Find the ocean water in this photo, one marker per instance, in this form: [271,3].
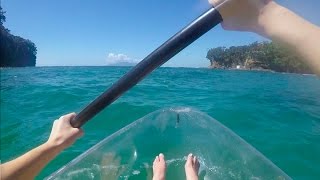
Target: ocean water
[278,114]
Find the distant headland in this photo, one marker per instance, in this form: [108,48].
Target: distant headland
[15,51]
[266,56]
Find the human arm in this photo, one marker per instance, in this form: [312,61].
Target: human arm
[30,164]
[269,19]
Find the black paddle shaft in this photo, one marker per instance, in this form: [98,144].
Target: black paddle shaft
[158,57]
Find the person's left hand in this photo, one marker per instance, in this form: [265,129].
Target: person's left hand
[63,134]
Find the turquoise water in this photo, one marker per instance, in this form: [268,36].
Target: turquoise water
[279,114]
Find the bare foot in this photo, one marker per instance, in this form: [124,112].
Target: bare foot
[159,168]
[192,167]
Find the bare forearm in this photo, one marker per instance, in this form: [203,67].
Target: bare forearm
[291,31]
[30,164]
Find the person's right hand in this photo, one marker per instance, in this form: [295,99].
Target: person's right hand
[244,15]
[273,21]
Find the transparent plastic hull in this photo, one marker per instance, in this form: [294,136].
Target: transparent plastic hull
[175,132]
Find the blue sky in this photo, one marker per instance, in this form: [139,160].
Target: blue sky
[100,32]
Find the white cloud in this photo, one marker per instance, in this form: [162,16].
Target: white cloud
[114,58]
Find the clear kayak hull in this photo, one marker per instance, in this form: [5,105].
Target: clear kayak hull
[175,132]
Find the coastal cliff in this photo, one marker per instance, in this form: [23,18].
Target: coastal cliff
[15,51]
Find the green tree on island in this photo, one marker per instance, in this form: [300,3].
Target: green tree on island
[258,55]
[15,51]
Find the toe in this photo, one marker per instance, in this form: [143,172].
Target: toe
[161,157]
[194,159]
[189,160]
[156,160]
